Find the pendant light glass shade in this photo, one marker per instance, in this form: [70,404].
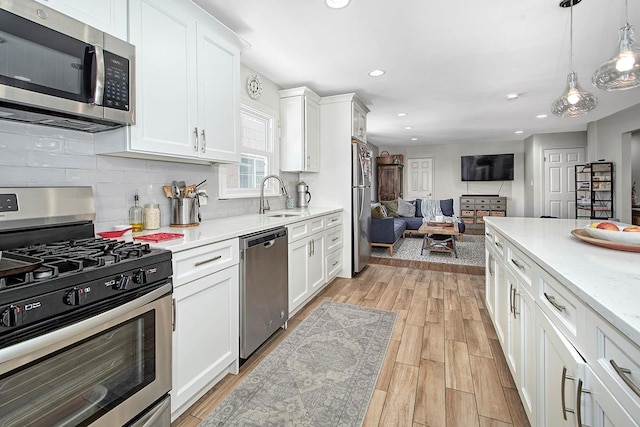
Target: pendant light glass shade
[623,70]
[574,101]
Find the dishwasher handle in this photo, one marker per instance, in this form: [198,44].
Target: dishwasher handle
[266,238]
[269,243]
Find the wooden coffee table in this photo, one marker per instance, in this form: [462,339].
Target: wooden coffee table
[439,245]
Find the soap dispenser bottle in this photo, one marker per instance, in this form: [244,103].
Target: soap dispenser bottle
[136,214]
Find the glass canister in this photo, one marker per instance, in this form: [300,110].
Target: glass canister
[151,216]
[289,202]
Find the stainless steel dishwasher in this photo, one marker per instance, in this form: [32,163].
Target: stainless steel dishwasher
[264,287]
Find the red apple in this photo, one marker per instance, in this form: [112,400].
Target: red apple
[632,228]
[608,226]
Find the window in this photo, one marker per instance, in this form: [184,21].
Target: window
[257,158]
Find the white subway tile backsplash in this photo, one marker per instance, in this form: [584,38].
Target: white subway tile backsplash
[45,159]
[51,132]
[13,176]
[92,176]
[84,148]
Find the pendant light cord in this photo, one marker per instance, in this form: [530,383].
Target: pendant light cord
[571,39]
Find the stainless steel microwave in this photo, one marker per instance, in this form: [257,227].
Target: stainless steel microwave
[57,71]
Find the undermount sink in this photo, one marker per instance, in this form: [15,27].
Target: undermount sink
[283,215]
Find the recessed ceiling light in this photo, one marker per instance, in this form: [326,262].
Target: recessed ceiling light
[541,116]
[519,131]
[376,73]
[402,114]
[337,4]
[408,127]
[414,139]
[512,96]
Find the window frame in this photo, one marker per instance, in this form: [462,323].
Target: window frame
[273,166]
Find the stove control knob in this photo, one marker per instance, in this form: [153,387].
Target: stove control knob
[139,278]
[11,317]
[122,282]
[76,296]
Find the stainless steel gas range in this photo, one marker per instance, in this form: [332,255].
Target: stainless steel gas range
[85,322]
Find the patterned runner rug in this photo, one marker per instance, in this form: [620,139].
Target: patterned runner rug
[470,251]
[322,374]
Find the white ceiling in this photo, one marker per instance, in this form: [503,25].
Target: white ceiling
[449,64]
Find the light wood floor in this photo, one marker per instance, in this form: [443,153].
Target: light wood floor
[444,365]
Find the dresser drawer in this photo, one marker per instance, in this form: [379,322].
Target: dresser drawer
[566,311]
[498,207]
[480,212]
[466,201]
[483,207]
[497,201]
[204,260]
[467,213]
[498,213]
[616,360]
[482,201]
[333,238]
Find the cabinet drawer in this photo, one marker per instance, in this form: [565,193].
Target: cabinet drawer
[499,244]
[467,213]
[482,201]
[498,207]
[333,265]
[298,230]
[468,220]
[333,239]
[482,213]
[479,220]
[566,311]
[521,266]
[198,262]
[611,348]
[498,213]
[483,207]
[333,219]
[497,201]
[467,201]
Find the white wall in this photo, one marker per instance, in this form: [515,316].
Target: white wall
[610,139]
[446,170]
[40,156]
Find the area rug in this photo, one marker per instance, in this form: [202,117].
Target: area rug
[322,374]
[470,251]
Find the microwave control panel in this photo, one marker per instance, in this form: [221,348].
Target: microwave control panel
[116,84]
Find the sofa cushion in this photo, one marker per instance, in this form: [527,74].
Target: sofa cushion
[406,209]
[387,230]
[392,207]
[413,223]
[418,203]
[446,206]
[378,212]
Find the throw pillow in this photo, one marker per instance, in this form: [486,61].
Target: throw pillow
[446,205]
[392,207]
[406,209]
[378,212]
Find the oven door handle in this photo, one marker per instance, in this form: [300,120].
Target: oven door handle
[24,352]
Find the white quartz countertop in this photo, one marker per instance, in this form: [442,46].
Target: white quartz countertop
[215,230]
[605,279]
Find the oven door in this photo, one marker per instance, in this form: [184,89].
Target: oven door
[102,371]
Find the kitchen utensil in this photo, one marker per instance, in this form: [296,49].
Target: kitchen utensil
[112,234]
[16,263]
[190,191]
[176,190]
[167,191]
[303,192]
[201,183]
[181,186]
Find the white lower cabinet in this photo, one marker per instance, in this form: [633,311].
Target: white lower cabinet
[206,321]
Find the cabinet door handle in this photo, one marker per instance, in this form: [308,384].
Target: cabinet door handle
[215,258]
[624,374]
[517,264]
[553,302]
[204,141]
[564,406]
[335,239]
[173,314]
[579,403]
[335,263]
[195,145]
[309,248]
[498,244]
[313,247]
[511,298]
[488,234]
[490,265]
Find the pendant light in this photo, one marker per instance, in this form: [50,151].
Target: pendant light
[623,70]
[574,101]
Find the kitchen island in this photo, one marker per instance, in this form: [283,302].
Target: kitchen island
[566,314]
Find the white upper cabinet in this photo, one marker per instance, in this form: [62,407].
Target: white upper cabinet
[300,120]
[187,85]
[109,16]
[359,120]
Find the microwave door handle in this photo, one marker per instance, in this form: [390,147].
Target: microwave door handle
[99,83]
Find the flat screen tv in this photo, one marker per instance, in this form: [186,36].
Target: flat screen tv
[488,167]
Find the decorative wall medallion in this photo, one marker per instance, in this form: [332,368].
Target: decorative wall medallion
[254,86]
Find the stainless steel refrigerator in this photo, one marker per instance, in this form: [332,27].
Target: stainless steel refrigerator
[361,205]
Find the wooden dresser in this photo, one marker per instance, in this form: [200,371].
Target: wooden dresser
[474,207]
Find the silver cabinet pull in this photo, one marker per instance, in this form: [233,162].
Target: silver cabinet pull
[564,406]
[511,298]
[173,314]
[195,145]
[335,263]
[490,265]
[498,244]
[579,403]
[553,302]
[488,234]
[199,263]
[204,141]
[517,264]
[334,239]
[624,374]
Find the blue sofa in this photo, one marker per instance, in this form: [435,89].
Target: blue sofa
[385,232]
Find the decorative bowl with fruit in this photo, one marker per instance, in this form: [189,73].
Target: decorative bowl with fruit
[614,232]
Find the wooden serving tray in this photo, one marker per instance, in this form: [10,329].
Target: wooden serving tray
[582,235]
[439,224]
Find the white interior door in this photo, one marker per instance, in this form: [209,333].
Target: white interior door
[419,178]
[560,185]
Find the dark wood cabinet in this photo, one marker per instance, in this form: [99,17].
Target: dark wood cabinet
[389,182]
